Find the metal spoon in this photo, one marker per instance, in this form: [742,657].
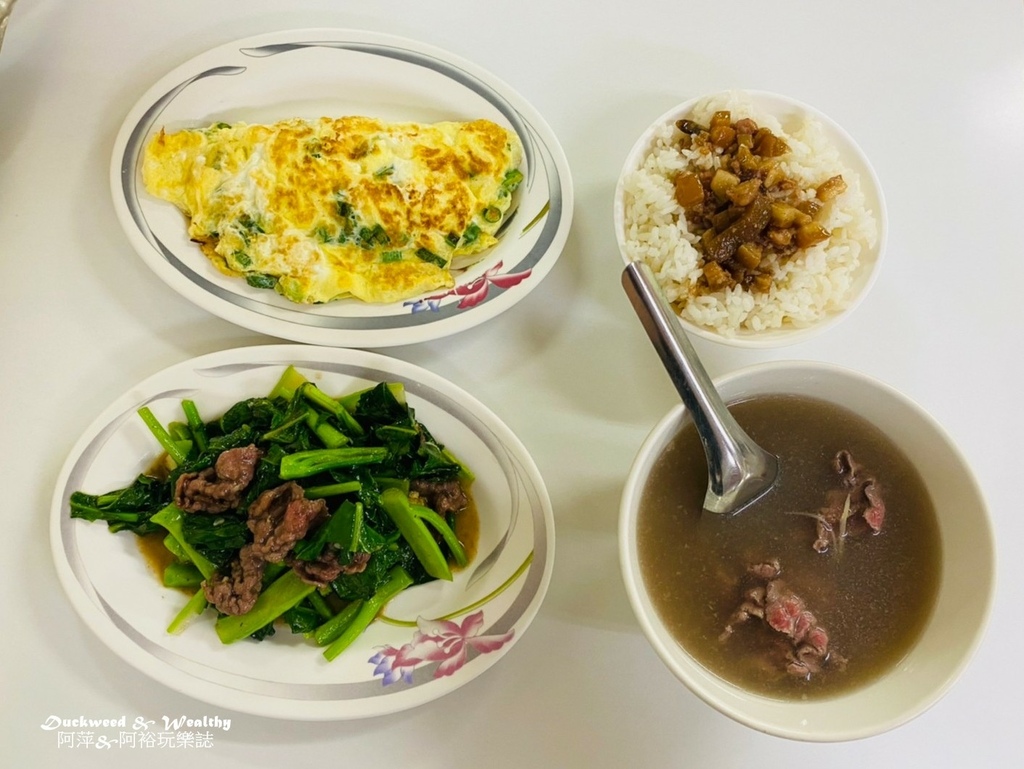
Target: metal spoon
[739,471]
[6,6]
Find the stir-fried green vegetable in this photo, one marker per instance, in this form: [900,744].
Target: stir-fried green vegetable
[362,454]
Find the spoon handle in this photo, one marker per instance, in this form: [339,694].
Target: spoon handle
[729,450]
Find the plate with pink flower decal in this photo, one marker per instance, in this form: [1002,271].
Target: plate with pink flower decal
[312,73]
[429,640]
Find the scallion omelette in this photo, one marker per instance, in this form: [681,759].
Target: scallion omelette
[339,207]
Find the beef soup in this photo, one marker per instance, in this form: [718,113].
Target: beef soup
[820,587]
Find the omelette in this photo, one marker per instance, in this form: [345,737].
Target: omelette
[331,208]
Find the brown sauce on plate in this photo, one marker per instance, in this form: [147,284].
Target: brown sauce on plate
[467,528]
[157,556]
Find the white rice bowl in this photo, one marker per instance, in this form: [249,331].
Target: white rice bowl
[812,289]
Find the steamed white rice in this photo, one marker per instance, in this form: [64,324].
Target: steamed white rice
[809,286]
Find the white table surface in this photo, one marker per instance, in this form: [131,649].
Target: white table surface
[933,93]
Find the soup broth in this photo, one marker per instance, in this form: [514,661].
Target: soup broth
[871,591]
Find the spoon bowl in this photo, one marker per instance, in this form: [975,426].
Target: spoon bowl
[966,592]
[739,471]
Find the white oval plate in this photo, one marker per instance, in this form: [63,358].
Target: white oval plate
[121,599]
[331,72]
